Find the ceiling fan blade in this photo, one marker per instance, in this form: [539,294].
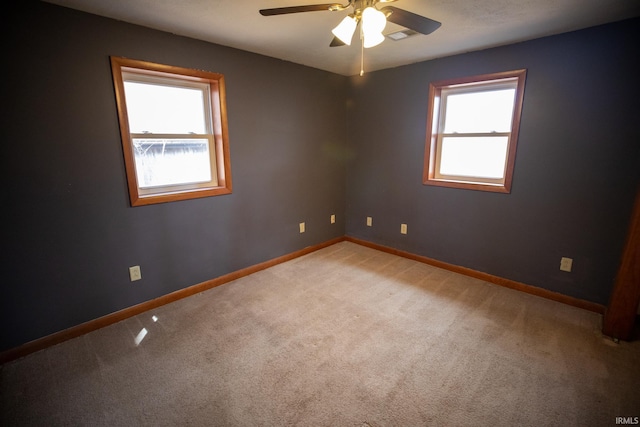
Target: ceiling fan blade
[297,9]
[411,20]
[336,42]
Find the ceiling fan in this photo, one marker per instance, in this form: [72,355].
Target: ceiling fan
[364,12]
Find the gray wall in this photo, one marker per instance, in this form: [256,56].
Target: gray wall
[576,171]
[69,234]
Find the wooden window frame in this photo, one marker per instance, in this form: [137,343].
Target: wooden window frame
[431,160]
[220,136]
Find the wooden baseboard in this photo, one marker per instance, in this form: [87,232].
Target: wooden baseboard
[101,322]
[507,283]
[109,319]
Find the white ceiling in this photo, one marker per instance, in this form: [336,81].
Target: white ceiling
[304,38]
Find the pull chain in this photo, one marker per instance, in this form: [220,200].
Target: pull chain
[361,56]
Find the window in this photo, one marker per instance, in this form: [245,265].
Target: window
[472,131]
[174,134]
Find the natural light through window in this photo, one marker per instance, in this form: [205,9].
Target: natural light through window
[173,127]
[155,109]
[472,133]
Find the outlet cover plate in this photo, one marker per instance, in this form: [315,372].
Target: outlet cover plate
[135,273]
[566,264]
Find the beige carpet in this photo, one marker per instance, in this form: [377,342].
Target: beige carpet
[345,336]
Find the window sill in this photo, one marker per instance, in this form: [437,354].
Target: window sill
[142,200]
[467,185]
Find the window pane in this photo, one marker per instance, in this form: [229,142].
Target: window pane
[482,157]
[163,162]
[487,111]
[164,109]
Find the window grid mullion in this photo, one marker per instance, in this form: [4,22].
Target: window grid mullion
[150,135]
[471,135]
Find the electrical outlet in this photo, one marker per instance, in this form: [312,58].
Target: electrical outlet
[566,264]
[302,227]
[403,228]
[333,219]
[135,273]
[369,221]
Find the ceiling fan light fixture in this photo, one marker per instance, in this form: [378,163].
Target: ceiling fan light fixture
[373,20]
[373,23]
[345,29]
[371,40]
